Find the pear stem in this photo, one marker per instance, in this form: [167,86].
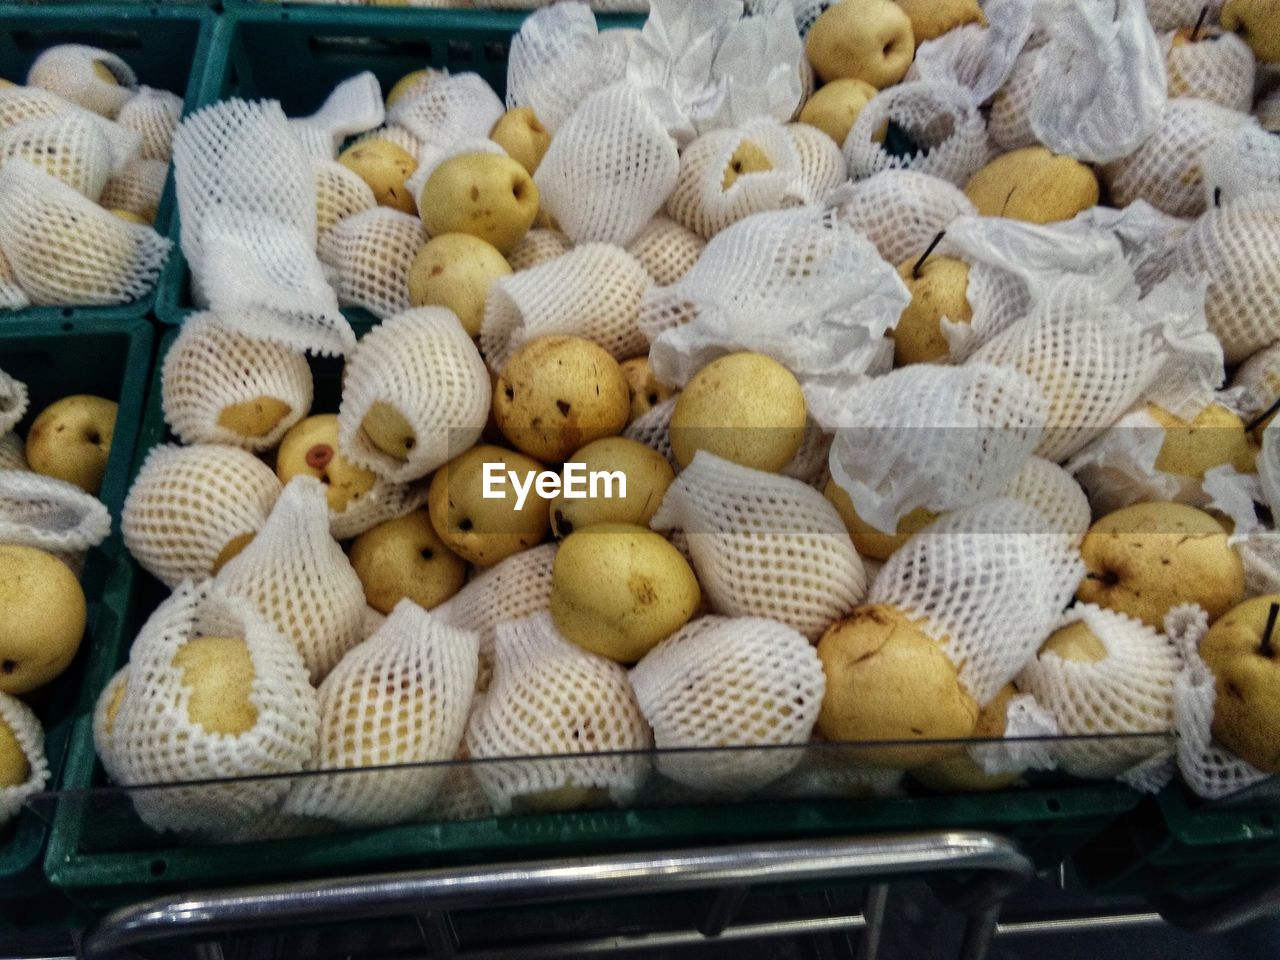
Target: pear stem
[1267,650]
[1274,408]
[1204,15]
[1217,197]
[915,271]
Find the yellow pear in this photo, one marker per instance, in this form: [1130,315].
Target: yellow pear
[253,418]
[403,558]
[389,430]
[835,107]
[869,40]
[14,766]
[888,680]
[486,530]
[71,440]
[488,196]
[310,448]
[747,158]
[416,82]
[867,540]
[384,166]
[43,618]
[233,548]
[930,19]
[128,216]
[1075,642]
[102,72]
[6,83]
[117,698]
[1243,651]
[1148,558]
[525,139]
[647,475]
[1258,23]
[571,796]
[1033,185]
[219,673]
[744,407]
[960,774]
[455,270]
[939,288]
[646,390]
[1214,437]
[618,590]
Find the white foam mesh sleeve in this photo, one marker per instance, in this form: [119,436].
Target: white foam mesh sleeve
[1171,14]
[988,582]
[155,740]
[154,115]
[371,252]
[69,146]
[730,682]
[13,402]
[187,503]
[538,246]
[297,576]
[822,165]
[247,198]
[385,500]
[340,193]
[653,429]
[64,249]
[928,436]
[49,514]
[593,292]
[1128,692]
[210,367]
[400,698]
[137,188]
[609,168]
[12,296]
[901,211]
[1239,163]
[1009,123]
[393,133]
[666,249]
[12,452]
[353,107]
[1219,69]
[764,545]
[68,70]
[1055,493]
[422,363]
[552,700]
[461,106]
[801,286]
[29,733]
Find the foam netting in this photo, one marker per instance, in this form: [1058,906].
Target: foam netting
[1009,123]
[1236,246]
[1259,553]
[65,250]
[721,682]
[460,797]
[810,463]
[593,292]
[401,697]
[1055,493]
[609,169]
[12,296]
[666,249]
[513,589]
[1172,14]
[104,739]
[764,545]
[901,211]
[570,714]
[385,500]
[371,253]
[69,146]
[340,193]
[297,577]
[988,583]
[12,453]
[537,247]
[13,402]
[1219,69]
[1208,768]
[460,106]
[154,114]
[423,364]
[68,70]
[1128,692]
[393,133]
[155,741]
[20,719]
[801,286]
[247,197]
[1166,170]
[1240,163]
[210,367]
[929,436]
[653,429]
[943,122]
[353,107]
[558,59]
[23,103]
[1147,237]
[137,188]
[187,503]
[49,514]
[1267,112]
[702,203]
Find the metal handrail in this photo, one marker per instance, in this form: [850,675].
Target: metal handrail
[1002,866]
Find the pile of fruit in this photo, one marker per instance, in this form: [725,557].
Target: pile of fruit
[84,155]
[926,448]
[48,517]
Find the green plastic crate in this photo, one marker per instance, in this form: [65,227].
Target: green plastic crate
[168,46]
[109,358]
[100,853]
[297,54]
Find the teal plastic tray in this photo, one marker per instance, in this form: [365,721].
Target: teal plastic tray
[168,46]
[109,358]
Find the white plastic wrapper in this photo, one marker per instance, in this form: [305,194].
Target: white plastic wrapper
[13,402]
[1171,14]
[1027,728]
[900,211]
[49,514]
[354,106]
[978,58]
[1147,236]
[1260,554]
[1243,161]
[928,436]
[1269,466]
[1102,82]
[799,285]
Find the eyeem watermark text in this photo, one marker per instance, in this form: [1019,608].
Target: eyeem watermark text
[574,482]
